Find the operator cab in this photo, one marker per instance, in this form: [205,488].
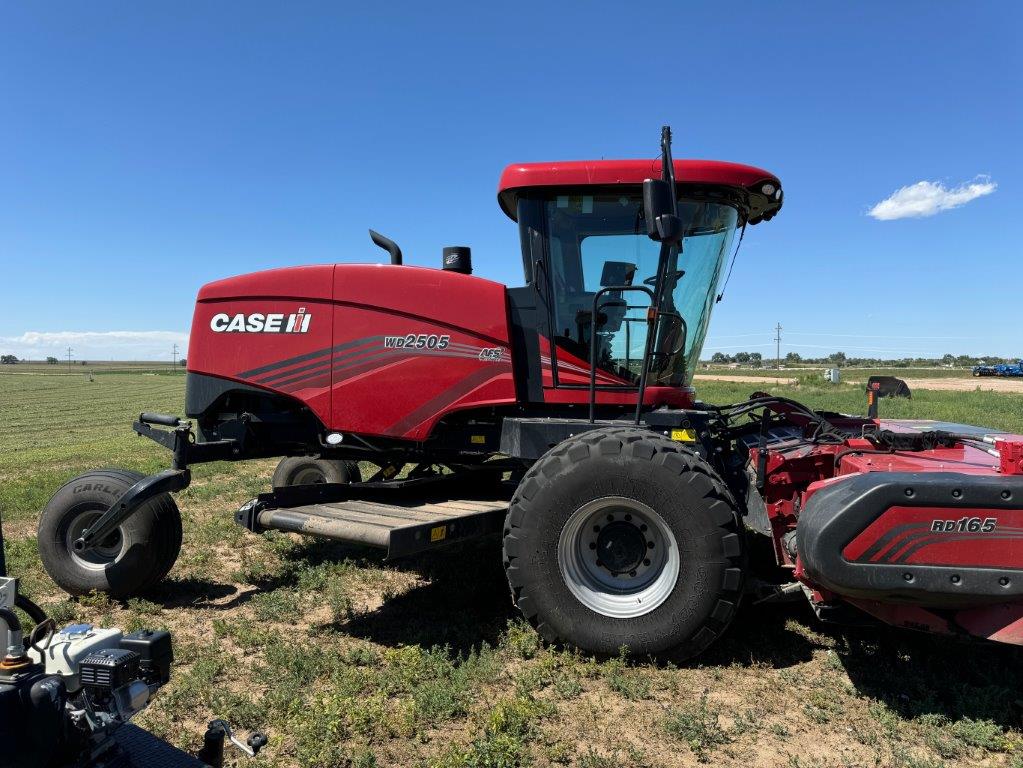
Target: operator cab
[584,234]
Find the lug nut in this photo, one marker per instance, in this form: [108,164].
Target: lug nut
[646,562]
[649,545]
[643,528]
[632,573]
[628,518]
[596,529]
[592,545]
[610,518]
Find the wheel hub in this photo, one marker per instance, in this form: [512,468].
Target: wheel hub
[308,476]
[618,557]
[100,554]
[621,547]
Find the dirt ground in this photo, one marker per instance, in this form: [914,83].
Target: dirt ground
[347,660]
[740,379]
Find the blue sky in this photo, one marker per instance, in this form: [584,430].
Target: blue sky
[148,148]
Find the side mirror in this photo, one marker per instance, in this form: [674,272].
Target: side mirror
[662,224]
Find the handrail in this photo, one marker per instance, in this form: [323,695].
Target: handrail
[593,338]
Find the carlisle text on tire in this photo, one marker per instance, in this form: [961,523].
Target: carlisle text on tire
[127,562]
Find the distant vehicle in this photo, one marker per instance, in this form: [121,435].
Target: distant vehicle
[1002,369]
[1013,369]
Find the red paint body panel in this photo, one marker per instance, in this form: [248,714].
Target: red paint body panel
[313,282]
[604,172]
[912,541]
[284,291]
[464,302]
[574,381]
[403,393]
[341,366]
[966,459]
[1000,623]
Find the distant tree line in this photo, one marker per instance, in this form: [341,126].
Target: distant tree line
[841,360]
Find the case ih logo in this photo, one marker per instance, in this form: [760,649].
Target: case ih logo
[257,322]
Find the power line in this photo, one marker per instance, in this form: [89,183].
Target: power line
[69,359]
[777,341]
[885,336]
[733,335]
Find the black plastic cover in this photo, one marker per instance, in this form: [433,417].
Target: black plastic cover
[32,727]
[109,669]
[155,653]
[458,258]
[837,514]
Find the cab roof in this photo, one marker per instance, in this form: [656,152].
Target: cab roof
[762,202]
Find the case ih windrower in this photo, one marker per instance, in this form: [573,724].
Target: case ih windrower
[633,509]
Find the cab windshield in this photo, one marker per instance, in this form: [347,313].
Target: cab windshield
[600,241]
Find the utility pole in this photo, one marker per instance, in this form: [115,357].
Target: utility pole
[777,341]
[174,358]
[69,359]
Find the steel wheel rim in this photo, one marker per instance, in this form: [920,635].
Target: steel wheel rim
[308,476]
[102,554]
[600,530]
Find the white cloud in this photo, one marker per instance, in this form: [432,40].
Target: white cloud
[926,198]
[99,345]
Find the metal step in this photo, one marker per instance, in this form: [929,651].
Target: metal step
[402,527]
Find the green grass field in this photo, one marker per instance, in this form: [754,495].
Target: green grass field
[349,661]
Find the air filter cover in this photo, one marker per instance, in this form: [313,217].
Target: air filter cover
[458,258]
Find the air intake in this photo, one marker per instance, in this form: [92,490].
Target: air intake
[458,258]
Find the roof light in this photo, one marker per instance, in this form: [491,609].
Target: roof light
[768,189]
[777,195]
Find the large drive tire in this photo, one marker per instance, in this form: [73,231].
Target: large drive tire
[129,561]
[622,538]
[305,470]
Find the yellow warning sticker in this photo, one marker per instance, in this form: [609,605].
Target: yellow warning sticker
[478,439]
[684,435]
[438,533]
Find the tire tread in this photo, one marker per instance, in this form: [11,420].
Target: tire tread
[643,445]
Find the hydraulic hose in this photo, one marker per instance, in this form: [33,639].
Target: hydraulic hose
[37,614]
[10,619]
[13,624]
